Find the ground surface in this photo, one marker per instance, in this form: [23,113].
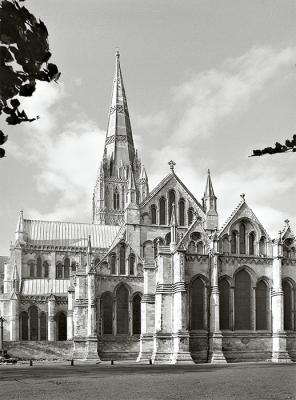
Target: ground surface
[143,382]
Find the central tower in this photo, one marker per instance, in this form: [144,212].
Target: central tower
[120,166]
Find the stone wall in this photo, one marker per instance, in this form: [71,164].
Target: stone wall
[42,350]
[119,347]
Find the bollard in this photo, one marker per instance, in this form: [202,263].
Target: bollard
[31,363]
[112,362]
[72,362]
[150,361]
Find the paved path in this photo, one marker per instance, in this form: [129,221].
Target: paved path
[145,382]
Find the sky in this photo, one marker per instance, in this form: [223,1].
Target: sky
[206,82]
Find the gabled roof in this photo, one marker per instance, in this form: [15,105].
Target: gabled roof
[242,210]
[183,241]
[162,183]
[287,232]
[68,234]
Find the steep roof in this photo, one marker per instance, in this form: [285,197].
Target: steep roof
[68,234]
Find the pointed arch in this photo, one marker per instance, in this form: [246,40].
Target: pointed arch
[31,267]
[59,270]
[168,238]
[45,269]
[162,211]
[156,243]
[122,311]
[172,200]
[39,267]
[131,262]
[197,304]
[122,251]
[66,268]
[24,325]
[33,315]
[190,216]
[113,263]
[225,244]
[153,214]
[288,304]
[182,212]
[43,326]
[191,247]
[242,300]
[262,305]
[200,248]
[242,238]
[61,319]
[252,236]
[224,290]
[233,242]
[136,314]
[107,313]
[262,246]
[116,200]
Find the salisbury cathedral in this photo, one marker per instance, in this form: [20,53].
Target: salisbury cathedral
[153,276]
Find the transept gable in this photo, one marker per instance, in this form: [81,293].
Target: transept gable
[196,239]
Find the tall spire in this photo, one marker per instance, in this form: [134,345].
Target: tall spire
[119,142]
[210,205]
[209,191]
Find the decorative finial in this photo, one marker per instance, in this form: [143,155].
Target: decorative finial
[117,52]
[287,222]
[243,197]
[209,172]
[172,165]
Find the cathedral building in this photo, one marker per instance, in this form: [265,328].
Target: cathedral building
[152,276]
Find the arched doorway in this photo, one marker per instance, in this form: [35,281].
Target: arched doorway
[122,310]
[62,326]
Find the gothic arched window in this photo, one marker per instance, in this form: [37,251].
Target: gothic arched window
[242,238]
[137,314]
[153,214]
[168,238]
[113,263]
[252,243]
[190,216]
[116,200]
[67,268]
[162,211]
[39,268]
[25,326]
[233,242]
[31,269]
[224,289]
[33,314]
[182,212]
[122,316]
[59,271]
[199,248]
[61,319]
[43,326]
[122,259]
[197,308]
[107,313]
[288,309]
[172,200]
[45,269]
[132,264]
[242,301]
[262,246]
[262,298]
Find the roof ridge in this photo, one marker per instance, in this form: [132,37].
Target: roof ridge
[231,215]
[66,222]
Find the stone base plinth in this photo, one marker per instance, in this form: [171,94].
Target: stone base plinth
[162,349]
[86,349]
[146,347]
[181,352]
[279,348]
[216,355]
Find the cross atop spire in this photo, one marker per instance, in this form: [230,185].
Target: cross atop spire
[172,165]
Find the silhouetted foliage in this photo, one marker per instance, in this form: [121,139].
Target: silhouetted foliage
[24,56]
[290,145]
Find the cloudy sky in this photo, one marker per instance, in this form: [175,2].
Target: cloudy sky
[206,81]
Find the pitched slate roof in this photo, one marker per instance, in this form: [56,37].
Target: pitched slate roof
[44,286]
[68,234]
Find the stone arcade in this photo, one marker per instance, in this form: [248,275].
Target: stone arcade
[152,277]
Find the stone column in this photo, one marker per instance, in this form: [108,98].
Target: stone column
[147,312]
[180,316]
[215,336]
[70,313]
[91,351]
[51,334]
[279,340]
[14,318]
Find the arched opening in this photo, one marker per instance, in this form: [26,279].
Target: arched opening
[113,263]
[288,309]
[233,242]
[66,268]
[153,214]
[132,260]
[172,200]
[191,248]
[59,271]
[33,314]
[252,243]
[242,238]
[224,290]
[182,212]
[162,211]
[107,313]
[25,326]
[190,216]
[116,200]
[45,269]
[242,301]
[197,309]
[122,317]
[43,326]
[62,326]
[122,259]
[168,238]
[137,314]
[156,243]
[262,246]
[39,267]
[262,300]
[31,269]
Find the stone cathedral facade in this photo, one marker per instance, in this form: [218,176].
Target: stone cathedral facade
[153,276]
